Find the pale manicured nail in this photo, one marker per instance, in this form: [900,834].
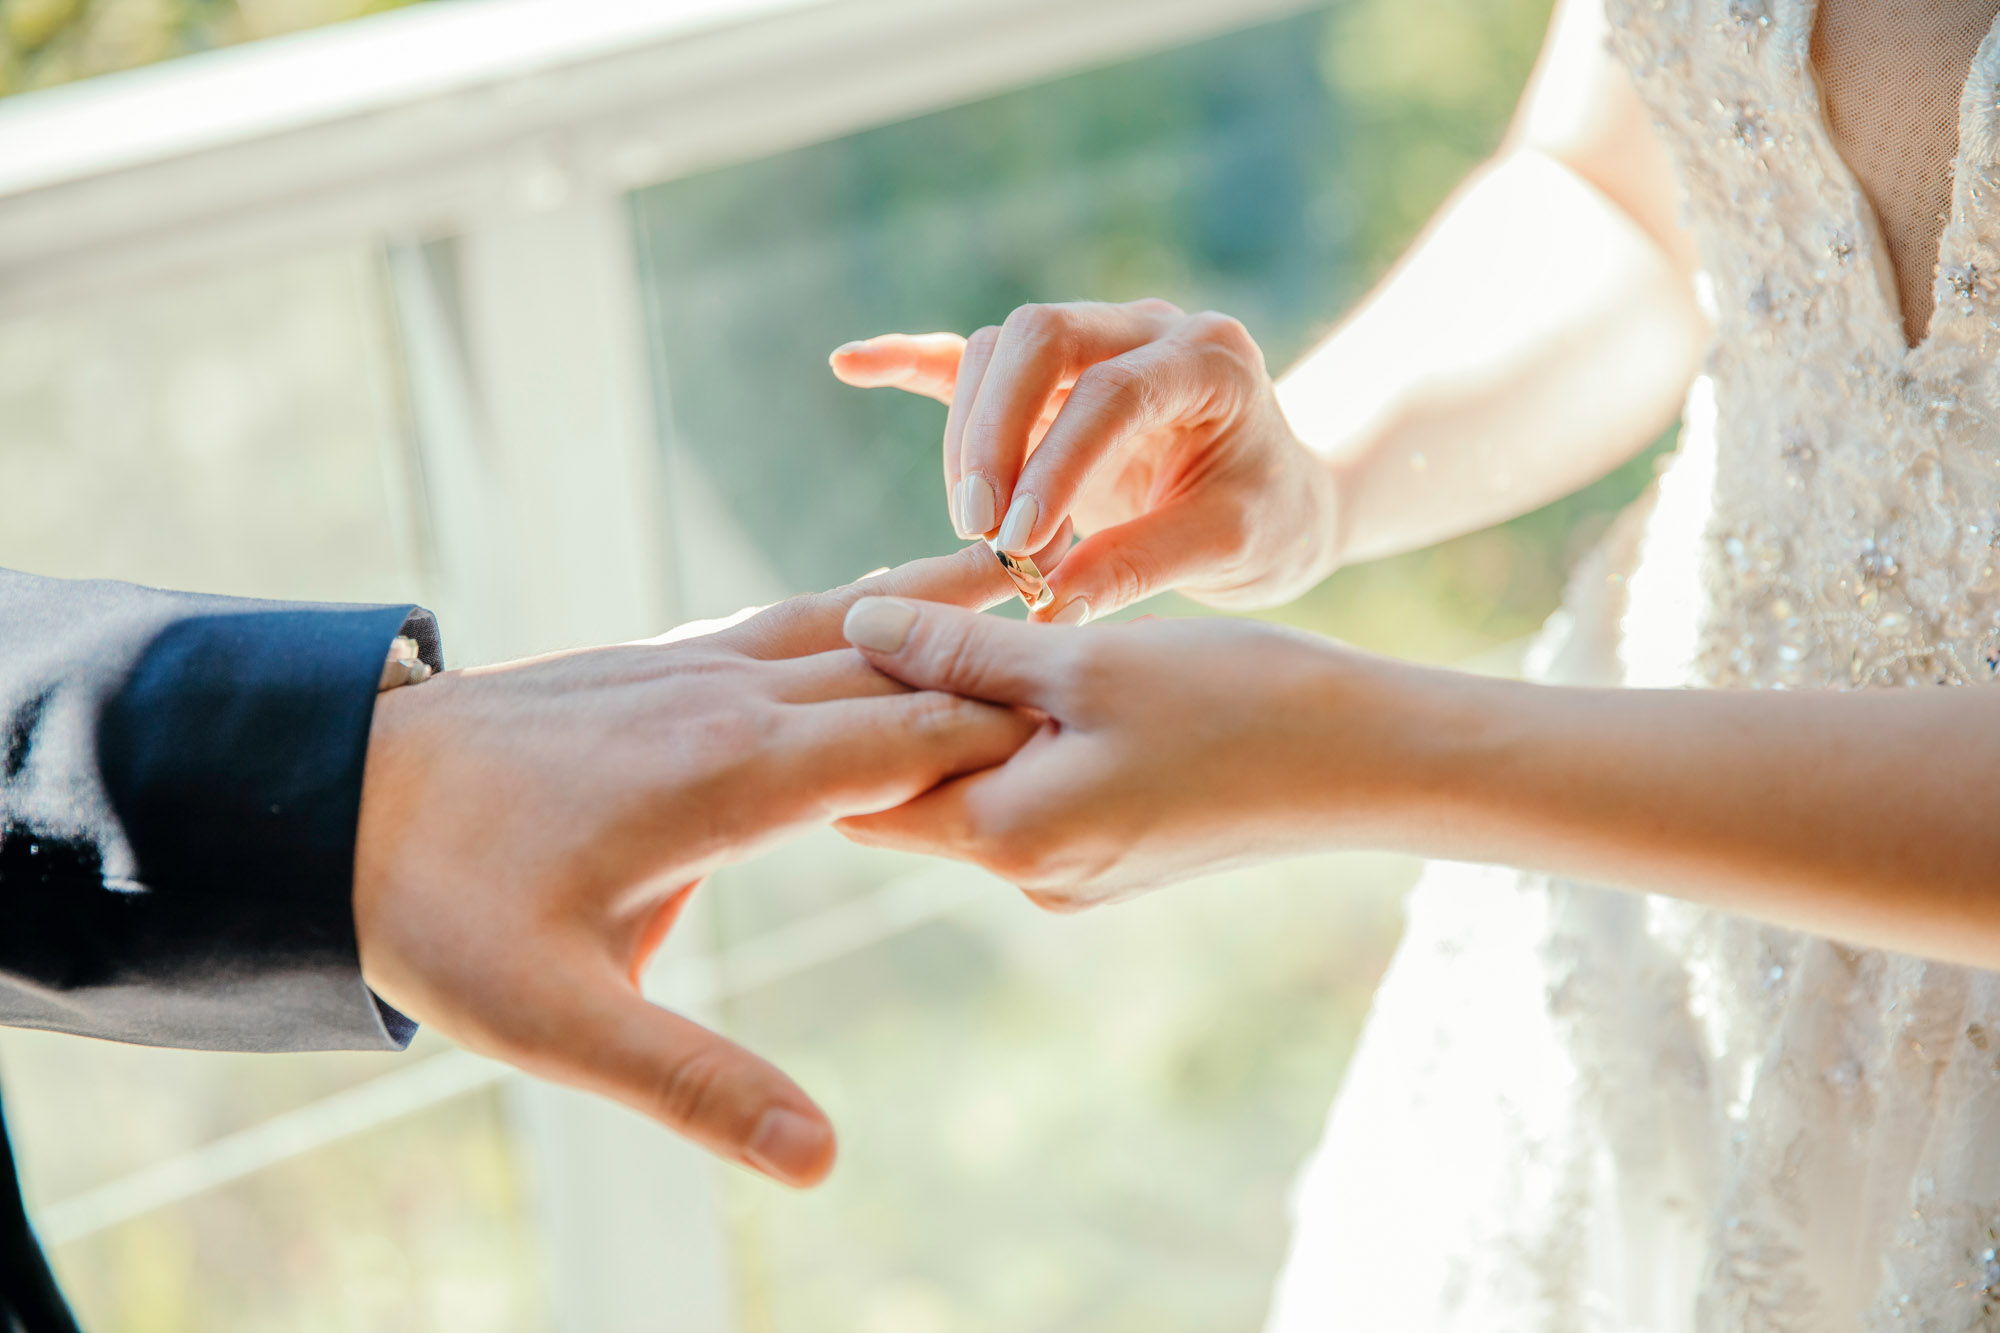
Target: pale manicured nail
[978,506]
[958,509]
[846,349]
[1075,612]
[879,624]
[1020,525]
[788,1145]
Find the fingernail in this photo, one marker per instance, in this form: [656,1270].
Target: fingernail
[1074,612]
[1020,525]
[788,1145]
[879,624]
[978,506]
[846,349]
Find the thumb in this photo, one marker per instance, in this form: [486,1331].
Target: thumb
[929,646]
[600,1034]
[1109,570]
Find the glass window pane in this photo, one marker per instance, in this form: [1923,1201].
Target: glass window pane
[243,433]
[1047,1123]
[231,434]
[1058,1123]
[1206,175]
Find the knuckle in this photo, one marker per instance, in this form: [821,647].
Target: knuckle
[820,607]
[1014,858]
[984,340]
[726,744]
[1044,872]
[876,583]
[1051,856]
[1004,839]
[1013,866]
[1112,386]
[958,662]
[1038,325]
[932,714]
[1224,338]
[1155,305]
[692,1091]
[981,432]
[1222,368]
[1214,326]
[1130,577]
[1091,677]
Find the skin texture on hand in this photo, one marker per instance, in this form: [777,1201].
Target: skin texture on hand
[1158,433]
[1540,332]
[529,830]
[1170,748]
[1177,747]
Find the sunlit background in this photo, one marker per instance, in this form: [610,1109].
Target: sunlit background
[1078,1124]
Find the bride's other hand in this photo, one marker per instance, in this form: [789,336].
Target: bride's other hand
[1159,432]
[1542,331]
[1171,748]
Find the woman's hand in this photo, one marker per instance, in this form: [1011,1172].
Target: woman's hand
[1174,747]
[1157,431]
[1170,747]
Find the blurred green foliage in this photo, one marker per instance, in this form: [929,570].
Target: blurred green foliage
[1081,1125]
[1054,1122]
[1047,1123]
[47,42]
[1424,88]
[1273,173]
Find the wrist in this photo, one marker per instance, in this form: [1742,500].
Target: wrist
[1344,413]
[1410,756]
[1469,753]
[1314,487]
[1296,529]
[389,790]
[1328,489]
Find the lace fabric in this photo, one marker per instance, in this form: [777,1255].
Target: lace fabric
[1891,75]
[1577,1110]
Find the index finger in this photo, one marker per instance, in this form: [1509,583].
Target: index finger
[970,577]
[811,624]
[919,363]
[1042,350]
[1113,401]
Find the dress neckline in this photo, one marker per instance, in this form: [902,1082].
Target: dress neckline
[1871,245]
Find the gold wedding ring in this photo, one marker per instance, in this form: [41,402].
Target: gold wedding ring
[1034,588]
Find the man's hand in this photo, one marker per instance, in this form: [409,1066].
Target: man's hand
[1159,432]
[528,832]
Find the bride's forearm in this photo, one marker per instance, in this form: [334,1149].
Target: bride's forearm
[1182,746]
[1533,340]
[1870,817]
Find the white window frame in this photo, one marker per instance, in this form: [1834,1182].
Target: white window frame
[505,134]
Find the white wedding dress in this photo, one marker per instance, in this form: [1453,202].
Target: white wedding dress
[1575,1109]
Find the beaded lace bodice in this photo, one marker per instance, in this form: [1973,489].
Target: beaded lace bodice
[1854,534]
[1577,1110]
[1890,73]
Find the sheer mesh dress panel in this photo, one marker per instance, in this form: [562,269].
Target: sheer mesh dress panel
[1891,76]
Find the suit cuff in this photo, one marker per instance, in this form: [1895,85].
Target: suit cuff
[233,755]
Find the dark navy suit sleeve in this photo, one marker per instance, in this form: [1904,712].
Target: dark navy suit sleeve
[180,780]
